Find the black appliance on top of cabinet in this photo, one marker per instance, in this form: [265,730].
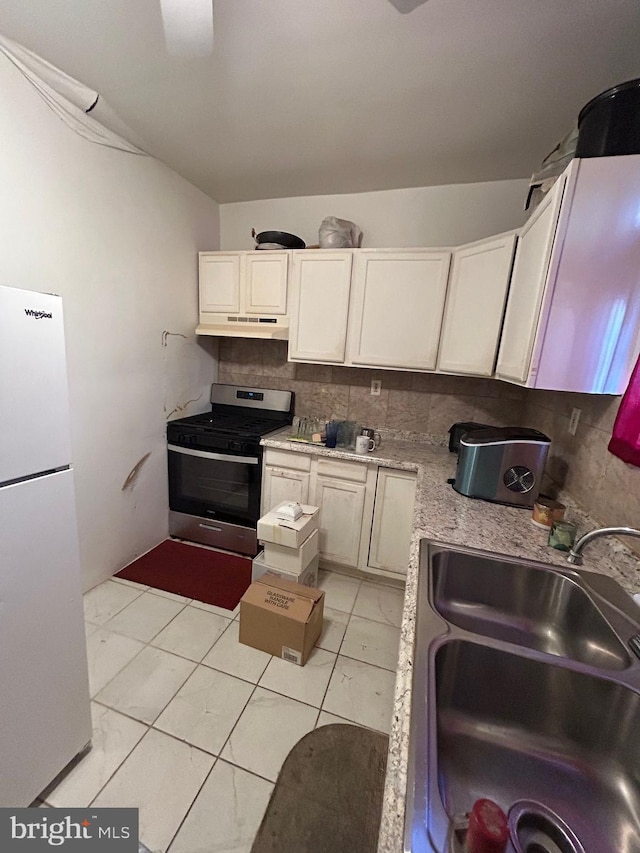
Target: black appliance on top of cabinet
[215,466]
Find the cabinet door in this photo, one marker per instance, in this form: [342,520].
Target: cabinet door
[392,520]
[475,306]
[589,333]
[341,513]
[219,282]
[527,287]
[280,485]
[266,282]
[320,287]
[397,308]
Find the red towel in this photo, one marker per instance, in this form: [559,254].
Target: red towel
[625,440]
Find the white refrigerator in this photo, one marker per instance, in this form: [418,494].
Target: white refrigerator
[44,691]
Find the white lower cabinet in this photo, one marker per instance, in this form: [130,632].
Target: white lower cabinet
[366,511]
[341,515]
[285,477]
[280,485]
[344,491]
[392,520]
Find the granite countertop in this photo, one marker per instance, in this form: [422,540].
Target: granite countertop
[446,516]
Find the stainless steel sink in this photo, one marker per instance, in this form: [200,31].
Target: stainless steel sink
[524,691]
[525,604]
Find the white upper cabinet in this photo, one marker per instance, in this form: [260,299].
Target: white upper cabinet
[249,284]
[573,311]
[572,291]
[266,282]
[219,283]
[474,310]
[527,287]
[396,308]
[320,288]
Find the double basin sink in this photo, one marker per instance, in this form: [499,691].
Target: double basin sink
[527,692]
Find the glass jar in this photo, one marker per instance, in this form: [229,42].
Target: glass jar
[562,535]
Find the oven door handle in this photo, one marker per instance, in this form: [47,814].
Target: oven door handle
[205,454]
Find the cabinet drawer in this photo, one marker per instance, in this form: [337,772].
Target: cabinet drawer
[282,459]
[342,470]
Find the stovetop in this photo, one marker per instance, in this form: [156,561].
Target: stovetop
[232,424]
[238,419]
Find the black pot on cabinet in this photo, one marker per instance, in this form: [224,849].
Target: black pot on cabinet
[610,123]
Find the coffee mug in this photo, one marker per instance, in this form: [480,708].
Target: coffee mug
[364,444]
[372,434]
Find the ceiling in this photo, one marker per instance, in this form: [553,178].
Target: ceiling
[306,97]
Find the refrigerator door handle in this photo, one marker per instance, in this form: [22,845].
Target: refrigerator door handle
[35,476]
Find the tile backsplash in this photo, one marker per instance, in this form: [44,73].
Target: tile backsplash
[415,402]
[606,487]
[429,403]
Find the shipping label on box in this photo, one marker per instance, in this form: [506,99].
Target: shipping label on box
[281,617]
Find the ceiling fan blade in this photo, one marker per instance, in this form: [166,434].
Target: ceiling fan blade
[406,6]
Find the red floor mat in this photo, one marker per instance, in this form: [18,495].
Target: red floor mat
[208,576]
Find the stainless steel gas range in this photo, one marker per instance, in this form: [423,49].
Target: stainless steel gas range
[215,466]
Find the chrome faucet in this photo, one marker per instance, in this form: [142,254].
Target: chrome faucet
[575,555]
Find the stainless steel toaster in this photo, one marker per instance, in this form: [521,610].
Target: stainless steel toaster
[502,464]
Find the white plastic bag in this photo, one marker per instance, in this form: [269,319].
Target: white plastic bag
[339,234]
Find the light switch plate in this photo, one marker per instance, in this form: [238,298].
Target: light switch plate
[376,387]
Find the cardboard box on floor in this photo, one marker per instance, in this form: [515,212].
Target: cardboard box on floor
[292,560]
[281,617]
[308,576]
[288,533]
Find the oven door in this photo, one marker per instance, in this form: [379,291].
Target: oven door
[214,485]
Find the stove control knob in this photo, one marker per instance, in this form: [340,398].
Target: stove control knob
[236,446]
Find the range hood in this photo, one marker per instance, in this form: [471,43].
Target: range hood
[238,326]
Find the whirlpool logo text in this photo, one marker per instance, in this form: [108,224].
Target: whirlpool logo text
[38,315]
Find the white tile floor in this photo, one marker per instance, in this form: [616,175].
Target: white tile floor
[192,728]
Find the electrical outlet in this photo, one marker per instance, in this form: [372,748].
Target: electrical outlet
[573,422]
[376,387]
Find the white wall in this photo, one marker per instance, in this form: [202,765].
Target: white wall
[425,216]
[116,235]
